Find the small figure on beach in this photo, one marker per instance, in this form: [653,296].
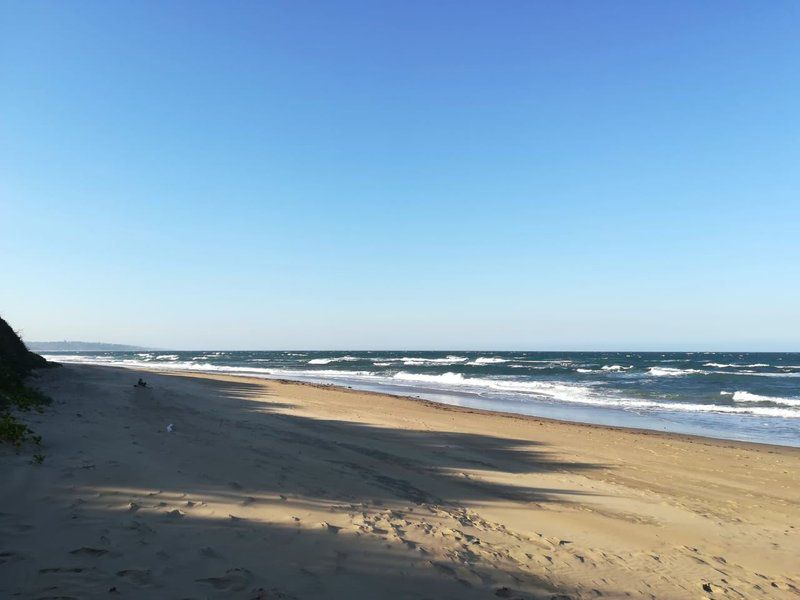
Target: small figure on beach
[141,383]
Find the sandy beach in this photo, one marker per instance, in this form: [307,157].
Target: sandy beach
[270,489]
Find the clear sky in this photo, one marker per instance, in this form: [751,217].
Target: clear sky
[427,175]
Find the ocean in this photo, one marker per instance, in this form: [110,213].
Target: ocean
[739,396]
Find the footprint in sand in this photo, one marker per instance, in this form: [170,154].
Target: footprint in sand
[235,580]
[142,528]
[8,556]
[20,527]
[137,576]
[88,551]
[271,594]
[62,570]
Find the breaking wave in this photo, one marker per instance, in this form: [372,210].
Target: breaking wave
[674,372]
[586,395]
[487,360]
[733,365]
[327,361]
[415,361]
[748,397]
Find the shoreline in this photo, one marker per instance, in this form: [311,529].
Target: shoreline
[282,489]
[744,398]
[465,409]
[687,437]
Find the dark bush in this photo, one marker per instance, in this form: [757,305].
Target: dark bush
[16,363]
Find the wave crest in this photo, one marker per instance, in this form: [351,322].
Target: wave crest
[487,360]
[327,361]
[673,372]
[748,397]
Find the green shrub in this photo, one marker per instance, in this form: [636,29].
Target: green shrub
[12,431]
[16,363]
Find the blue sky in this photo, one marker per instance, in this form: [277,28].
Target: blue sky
[428,175]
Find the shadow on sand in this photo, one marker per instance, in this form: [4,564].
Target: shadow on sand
[399,502]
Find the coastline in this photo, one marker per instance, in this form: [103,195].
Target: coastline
[746,398]
[689,437]
[364,490]
[686,437]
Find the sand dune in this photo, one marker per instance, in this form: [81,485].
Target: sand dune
[280,490]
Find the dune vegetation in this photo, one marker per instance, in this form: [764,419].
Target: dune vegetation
[16,396]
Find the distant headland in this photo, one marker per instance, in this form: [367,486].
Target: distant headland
[74,346]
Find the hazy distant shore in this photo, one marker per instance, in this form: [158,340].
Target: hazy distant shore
[77,346]
[268,489]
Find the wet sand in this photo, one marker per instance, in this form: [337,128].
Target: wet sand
[282,490]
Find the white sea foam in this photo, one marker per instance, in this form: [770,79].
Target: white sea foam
[167,357]
[673,372]
[208,356]
[758,374]
[585,395]
[535,365]
[748,397]
[487,360]
[209,368]
[734,365]
[451,378]
[421,361]
[610,368]
[560,391]
[327,361]
[326,373]
[559,361]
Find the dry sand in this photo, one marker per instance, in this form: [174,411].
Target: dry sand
[279,490]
